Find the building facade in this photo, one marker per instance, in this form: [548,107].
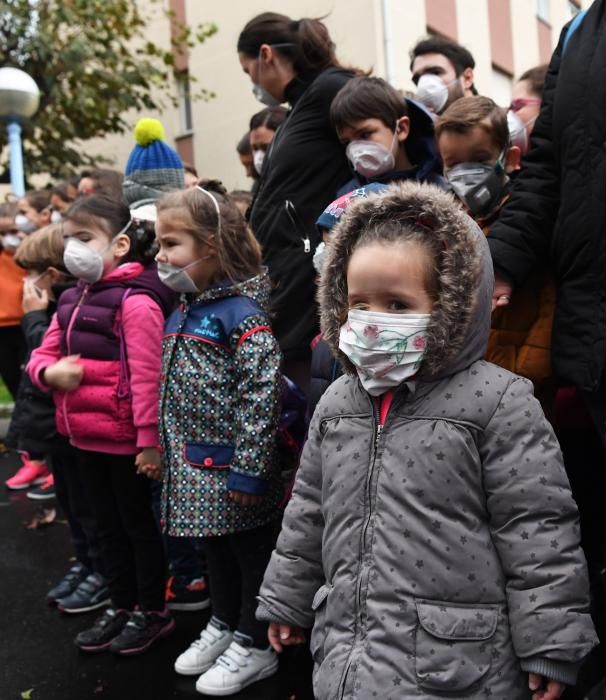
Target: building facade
[506,38]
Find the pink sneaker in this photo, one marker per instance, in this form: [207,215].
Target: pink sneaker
[30,474]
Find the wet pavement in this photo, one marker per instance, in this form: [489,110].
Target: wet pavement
[37,652]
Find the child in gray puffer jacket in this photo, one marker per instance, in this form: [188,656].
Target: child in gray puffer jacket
[431,541]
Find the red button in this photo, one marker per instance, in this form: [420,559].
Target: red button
[208,461]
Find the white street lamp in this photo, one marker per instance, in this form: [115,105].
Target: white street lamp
[19,99]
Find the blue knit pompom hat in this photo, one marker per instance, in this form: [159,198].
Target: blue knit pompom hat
[153,167]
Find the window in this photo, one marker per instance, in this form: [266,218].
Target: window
[543,10]
[500,87]
[185,114]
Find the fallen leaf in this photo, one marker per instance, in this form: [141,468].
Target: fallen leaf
[42,518]
[27,694]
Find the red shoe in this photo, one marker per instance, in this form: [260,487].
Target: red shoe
[31,473]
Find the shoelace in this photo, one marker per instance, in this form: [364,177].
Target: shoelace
[205,640]
[234,658]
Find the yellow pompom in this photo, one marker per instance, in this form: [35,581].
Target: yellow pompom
[148,130]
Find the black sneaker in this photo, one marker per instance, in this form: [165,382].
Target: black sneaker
[141,631]
[91,594]
[187,595]
[104,631]
[68,583]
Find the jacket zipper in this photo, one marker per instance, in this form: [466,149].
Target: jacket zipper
[68,332]
[378,430]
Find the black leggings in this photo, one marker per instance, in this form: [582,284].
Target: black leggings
[129,538]
[236,564]
[12,354]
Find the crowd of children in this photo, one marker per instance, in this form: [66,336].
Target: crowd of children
[431,544]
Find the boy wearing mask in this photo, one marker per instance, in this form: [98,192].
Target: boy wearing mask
[388,138]
[474,144]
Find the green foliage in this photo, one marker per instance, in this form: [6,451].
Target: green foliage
[92,62]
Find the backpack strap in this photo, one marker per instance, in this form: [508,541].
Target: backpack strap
[572,27]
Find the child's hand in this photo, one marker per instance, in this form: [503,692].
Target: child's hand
[33,299]
[502,292]
[549,690]
[281,636]
[245,499]
[66,374]
[149,463]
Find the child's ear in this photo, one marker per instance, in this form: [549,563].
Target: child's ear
[512,159]
[44,217]
[55,276]
[122,246]
[403,129]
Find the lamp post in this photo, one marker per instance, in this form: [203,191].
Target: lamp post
[19,99]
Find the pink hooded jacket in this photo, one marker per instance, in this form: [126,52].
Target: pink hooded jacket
[99,415]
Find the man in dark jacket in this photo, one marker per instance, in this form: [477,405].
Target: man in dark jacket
[557,209]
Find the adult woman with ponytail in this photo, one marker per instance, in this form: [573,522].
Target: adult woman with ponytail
[294,62]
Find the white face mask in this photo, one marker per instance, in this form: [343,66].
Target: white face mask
[82,261]
[432,91]
[371,159]
[85,263]
[319,257]
[24,224]
[386,349]
[258,158]
[56,217]
[264,97]
[518,131]
[177,278]
[11,242]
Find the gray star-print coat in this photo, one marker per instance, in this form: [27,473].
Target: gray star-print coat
[440,556]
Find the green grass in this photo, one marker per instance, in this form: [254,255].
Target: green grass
[5,397]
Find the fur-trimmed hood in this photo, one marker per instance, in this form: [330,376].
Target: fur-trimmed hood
[458,331]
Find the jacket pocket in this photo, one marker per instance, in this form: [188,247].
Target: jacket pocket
[453,645]
[318,633]
[209,456]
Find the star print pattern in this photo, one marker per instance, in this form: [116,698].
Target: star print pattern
[430,544]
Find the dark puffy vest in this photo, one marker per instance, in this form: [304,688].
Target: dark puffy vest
[94,332]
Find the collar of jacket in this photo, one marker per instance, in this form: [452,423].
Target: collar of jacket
[297,86]
[257,288]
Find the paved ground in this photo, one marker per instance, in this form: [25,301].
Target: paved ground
[39,661]
[36,641]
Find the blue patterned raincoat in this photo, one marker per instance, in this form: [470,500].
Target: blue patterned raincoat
[219,411]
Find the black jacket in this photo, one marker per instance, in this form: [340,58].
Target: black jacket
[306,165]
[557,209]
[33,428]
[325,369]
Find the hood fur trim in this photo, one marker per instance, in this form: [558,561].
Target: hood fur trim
[460,322]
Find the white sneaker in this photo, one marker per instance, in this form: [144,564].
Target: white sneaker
[204,651]
[237,668]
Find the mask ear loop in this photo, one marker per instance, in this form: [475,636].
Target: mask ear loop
[217,209]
